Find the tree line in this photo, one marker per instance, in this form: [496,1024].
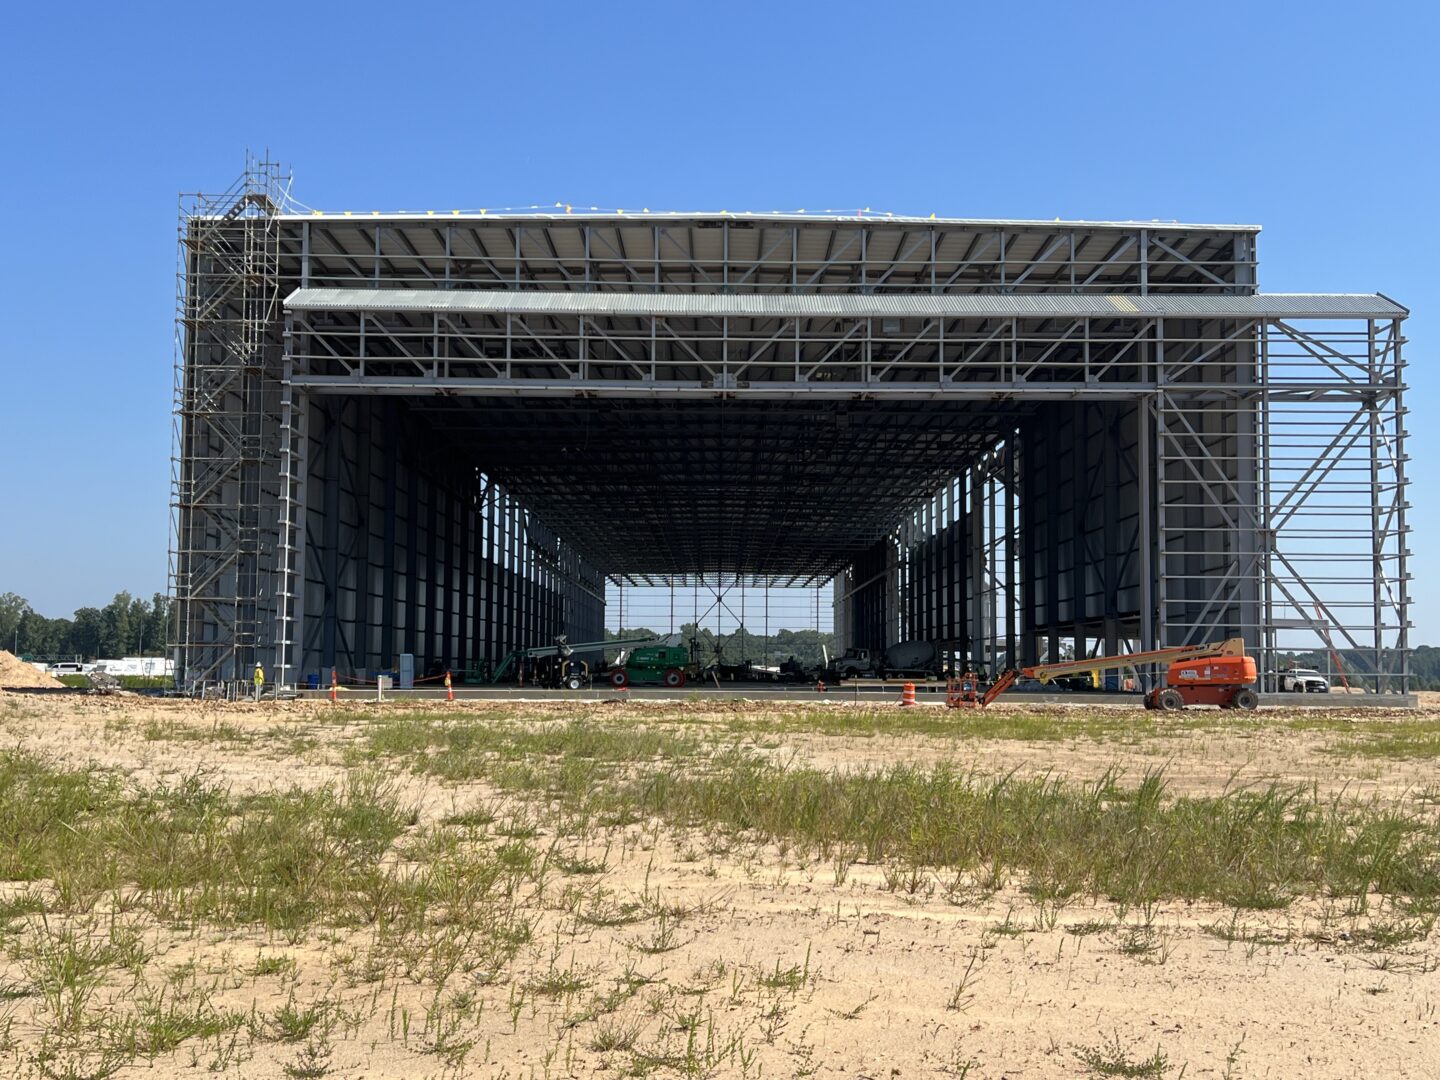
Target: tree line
[127,626]
[131,626]
[808,647]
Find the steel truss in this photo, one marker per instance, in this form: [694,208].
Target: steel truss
[1018,438]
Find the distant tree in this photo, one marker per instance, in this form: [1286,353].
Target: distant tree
[87,636]
[631,632]
[13,610]
[115,619]
[157,626]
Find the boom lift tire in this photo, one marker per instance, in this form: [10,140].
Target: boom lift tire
[619,679]
[1246,699]
[674,678]
[1170,700]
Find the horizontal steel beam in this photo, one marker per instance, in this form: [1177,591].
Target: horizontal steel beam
[846,305]
[423,386]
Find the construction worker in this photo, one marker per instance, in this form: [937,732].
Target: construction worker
[259,679]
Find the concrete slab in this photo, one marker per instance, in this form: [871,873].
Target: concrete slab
[926,693]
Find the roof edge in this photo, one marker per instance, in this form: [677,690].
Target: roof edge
[788,217]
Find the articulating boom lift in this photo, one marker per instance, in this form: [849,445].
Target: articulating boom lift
[1218,673]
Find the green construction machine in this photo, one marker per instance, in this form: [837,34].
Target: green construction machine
[651,665]
[554,665]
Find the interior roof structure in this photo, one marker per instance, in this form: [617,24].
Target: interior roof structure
[790,490]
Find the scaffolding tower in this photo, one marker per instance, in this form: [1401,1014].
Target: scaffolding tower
[227,429]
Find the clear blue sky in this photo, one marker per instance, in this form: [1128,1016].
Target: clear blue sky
[1318,121]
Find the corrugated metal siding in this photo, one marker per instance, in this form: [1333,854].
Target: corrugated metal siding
[846,305]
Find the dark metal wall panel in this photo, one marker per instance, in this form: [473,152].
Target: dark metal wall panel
[1080,512]
[406,554]
[872,615]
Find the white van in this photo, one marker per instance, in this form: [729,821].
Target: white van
[69,667]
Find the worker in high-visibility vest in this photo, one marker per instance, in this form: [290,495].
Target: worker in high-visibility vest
[259,679]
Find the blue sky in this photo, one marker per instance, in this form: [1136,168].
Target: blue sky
[1316,120]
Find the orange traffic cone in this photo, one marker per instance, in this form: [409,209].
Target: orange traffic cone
[449,688]
[907,695]
[334,686]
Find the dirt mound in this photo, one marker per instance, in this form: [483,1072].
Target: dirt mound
[16,672]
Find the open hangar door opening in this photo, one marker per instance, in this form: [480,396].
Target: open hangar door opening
[443,435]
[637,492]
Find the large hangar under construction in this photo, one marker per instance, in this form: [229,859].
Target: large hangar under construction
[447,433]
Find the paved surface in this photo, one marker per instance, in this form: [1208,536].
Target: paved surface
[925,693]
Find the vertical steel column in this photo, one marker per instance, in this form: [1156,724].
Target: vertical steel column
[1402,532]
[412,563]
[1052,556]
[1377,539]
[330,531]
[448,586]
[493,549]
[361,646]
[1247,545]
[464,563]
[1145,446]
[1012,553]
[1029,539]
[975,521]
[1079,512]
[388,609]
[432,572]
[1110,590]
[1163,636]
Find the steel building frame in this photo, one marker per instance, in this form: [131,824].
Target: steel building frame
[1018,438]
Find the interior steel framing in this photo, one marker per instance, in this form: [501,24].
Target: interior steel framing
[442,434]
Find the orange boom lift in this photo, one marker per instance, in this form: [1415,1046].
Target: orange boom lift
[1215,674]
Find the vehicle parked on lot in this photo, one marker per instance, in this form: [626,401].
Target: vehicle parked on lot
[70,667]
[1303,681]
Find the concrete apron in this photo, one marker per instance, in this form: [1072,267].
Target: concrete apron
[926,694]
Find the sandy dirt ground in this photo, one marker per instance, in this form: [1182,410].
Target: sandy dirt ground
[880,982]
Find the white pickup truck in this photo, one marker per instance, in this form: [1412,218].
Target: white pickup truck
[1303,681]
